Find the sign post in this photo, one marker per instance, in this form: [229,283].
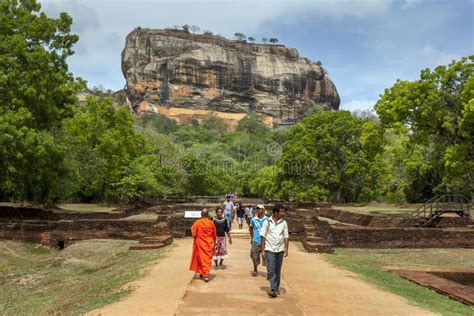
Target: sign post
[190,215]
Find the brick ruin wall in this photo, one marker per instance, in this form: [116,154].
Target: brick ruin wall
[40,226]
[49,228]
[366,220]
[369,237]
[51,232]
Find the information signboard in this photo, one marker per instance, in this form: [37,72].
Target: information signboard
[192,214]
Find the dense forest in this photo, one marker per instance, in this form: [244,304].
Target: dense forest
[53,148]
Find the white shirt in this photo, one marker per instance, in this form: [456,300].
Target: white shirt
[248,211]
[274,234]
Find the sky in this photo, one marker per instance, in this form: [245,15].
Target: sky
[365,45]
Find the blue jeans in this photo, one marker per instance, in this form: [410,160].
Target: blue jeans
[274,263]
[228,218]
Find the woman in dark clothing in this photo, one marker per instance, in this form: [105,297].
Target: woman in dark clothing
[240,214]
[220,249]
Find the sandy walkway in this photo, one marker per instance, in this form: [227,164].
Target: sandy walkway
[310,286]
[161,291]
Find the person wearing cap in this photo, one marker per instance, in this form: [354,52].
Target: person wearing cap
[255,226]
[275,242]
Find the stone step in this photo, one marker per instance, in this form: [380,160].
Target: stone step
[310,227]
[239,236]
[160,225]
[315,239]
[147,246]
[318,247]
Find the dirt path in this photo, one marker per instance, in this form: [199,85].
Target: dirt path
[310,286]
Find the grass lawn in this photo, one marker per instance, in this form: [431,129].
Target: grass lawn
[367,263]
[35,280]
[379,209]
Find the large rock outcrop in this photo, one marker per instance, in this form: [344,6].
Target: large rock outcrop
[188,76]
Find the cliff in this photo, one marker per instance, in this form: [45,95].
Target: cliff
[187,76]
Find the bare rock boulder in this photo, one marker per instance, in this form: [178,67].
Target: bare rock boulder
[188,76]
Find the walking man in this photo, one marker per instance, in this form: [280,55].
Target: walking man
[228,207]
[204,234]
[248,213]
[275,242]
[255,226]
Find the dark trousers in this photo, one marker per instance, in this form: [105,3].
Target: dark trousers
[274,263]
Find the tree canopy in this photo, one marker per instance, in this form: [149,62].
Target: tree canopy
[437,114]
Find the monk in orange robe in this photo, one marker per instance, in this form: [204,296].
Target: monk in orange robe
[204,233]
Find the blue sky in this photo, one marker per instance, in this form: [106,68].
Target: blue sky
[364,45]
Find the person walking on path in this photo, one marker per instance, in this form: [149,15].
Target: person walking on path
[255,226]
[248,213]
[220,249]
[204,234]
[275,242]
[228,210]
[240,215]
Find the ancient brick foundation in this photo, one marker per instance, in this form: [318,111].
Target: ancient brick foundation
[368,237]
[366,231]
[51,233]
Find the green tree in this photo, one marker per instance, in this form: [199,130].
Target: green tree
[157,123]
[436,112]
[273,40]
[148,177]
[185,28]
[251,39]
[331,154]
[33,70]
[240,36]
[264,40]
[264,183]
[204,177]
[102,141]
[31,162]
[36,93]
[212,128]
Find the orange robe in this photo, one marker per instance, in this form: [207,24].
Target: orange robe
[204,233]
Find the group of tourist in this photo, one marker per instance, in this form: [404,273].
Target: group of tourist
[268,233]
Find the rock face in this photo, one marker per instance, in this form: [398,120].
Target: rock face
[188,76]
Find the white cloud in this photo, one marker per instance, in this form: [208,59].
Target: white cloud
[410,3]
[359,105]
[351,8]
[437,56]
[84,17]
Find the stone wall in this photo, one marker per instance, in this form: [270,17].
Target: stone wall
[385,221]
[296,227]
[368,237]
[51,232]
[34,213]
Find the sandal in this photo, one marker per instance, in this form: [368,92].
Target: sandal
[206,279]
[254,273]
